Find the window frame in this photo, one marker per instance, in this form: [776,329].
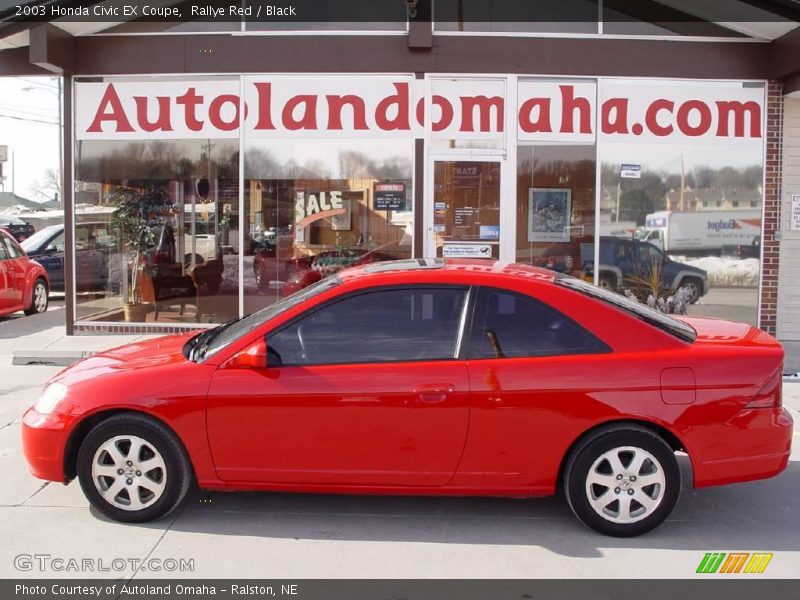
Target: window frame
[479,296]
[464,322]
[13,250]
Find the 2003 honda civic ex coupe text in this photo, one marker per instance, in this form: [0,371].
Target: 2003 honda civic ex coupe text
[425,376]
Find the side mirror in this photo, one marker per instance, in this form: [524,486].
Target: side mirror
[51,249]
[253,357]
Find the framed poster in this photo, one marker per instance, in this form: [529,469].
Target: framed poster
[549,211]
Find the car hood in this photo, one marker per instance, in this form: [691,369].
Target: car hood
[157,352]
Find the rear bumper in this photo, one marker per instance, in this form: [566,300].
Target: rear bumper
[762,442]
[44,438]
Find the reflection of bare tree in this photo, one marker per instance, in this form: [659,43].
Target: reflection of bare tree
[356,165]
[113,162]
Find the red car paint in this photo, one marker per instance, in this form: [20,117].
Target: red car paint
[504,427]
[18,273]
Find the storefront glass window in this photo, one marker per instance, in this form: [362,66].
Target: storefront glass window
[683,196]
[466,208]
[556,207]
[314,207]
[168,248]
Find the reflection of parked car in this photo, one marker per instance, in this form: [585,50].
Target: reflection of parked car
[19,229]
[165,250]
[23,282]
[93,244]
[751,250]
[429,377]
[624,262]
[300,272]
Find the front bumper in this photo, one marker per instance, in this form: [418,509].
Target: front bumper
[44,439]
[761,439]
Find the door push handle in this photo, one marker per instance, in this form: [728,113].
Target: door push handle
[433,394]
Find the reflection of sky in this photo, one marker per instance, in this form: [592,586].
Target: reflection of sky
[667,157]
[326,153]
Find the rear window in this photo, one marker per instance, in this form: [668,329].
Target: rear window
[679,329]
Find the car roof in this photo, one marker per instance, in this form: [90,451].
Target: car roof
[447,267]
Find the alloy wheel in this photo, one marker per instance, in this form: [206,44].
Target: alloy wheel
[129,472]
[40,297]
[625,484]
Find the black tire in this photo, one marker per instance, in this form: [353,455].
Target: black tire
[261,281]
[177,477]
[694,288]
[39,287]
[187,260]
[583,459]
[608,282]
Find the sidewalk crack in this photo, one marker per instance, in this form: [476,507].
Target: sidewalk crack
[41,487]
[178,513]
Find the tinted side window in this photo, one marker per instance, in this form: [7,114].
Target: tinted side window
[3,251]
[511,325]
[58,242]
[401,324]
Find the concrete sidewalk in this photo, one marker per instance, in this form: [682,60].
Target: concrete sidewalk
[42,340]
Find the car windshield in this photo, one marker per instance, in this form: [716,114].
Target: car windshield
[640,311]
[33,243]
[206,344]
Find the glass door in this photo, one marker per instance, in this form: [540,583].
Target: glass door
[463,208]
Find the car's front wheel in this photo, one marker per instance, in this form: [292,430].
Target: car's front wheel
[132,468]
[623,482]
[39,298]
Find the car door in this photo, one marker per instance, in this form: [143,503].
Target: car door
[531,375]
[366,390]
[16,270]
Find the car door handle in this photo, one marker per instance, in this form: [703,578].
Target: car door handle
[434,393]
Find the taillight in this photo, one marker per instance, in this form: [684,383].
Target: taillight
[769,396]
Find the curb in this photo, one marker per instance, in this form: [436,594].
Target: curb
[51,358]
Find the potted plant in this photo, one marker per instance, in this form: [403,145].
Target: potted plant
[130,221]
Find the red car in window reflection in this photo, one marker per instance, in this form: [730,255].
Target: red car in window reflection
[23,282]
[424,377]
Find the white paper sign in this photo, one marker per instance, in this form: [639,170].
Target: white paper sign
[467,251]
[630,171]
[795,212]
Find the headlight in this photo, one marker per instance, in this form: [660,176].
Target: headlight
[51,396]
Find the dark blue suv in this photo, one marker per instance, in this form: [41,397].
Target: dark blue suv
[625,263]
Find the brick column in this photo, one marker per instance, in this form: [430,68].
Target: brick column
[772,207]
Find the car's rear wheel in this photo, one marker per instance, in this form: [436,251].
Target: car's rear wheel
[693,289]
[623,482]
[133,469]
[39,298]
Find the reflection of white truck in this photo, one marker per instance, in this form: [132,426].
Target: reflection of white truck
[701,232]
[624,229]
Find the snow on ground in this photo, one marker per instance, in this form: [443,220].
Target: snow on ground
[725,271]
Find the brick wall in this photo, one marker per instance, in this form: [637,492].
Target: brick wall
[772,206]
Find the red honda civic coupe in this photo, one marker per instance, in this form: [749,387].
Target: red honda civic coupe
[430,377]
